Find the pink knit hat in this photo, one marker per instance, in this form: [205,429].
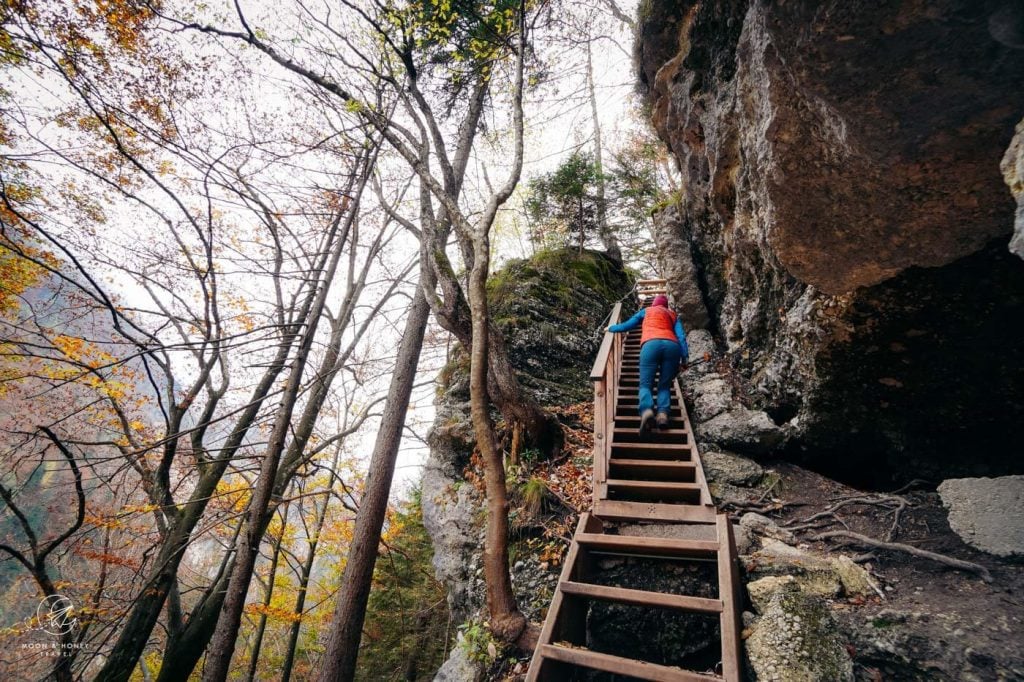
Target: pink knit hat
[660,299]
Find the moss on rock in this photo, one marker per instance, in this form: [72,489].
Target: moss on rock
[550,309]
[797,640]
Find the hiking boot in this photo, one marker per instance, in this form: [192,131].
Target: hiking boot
[646,419]
[662,420]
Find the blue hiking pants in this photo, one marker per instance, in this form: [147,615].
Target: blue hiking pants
[661,357]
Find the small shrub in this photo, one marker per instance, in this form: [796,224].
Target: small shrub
[478,642]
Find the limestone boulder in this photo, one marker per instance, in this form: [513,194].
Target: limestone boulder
[842,201]
[1013,172]
[711,397]
[763,526]
[700,344]
[743,430]
[459,667]
[987,513]
[796,640]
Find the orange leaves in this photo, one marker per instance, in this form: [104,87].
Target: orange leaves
[109,558]
[551,554]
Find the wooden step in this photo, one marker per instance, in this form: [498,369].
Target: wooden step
[653,470]
[627,409]
[623,595]
[647,450]
[631,434]
[625,510]
[655,491]
[632,399]
[647,546]
[618,665]
[633,419]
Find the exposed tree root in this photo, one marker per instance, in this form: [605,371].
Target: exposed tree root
[969,566]
[760,508]
[818,521]
[888,501]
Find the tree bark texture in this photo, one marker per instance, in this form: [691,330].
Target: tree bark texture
[342,650]
[506,620]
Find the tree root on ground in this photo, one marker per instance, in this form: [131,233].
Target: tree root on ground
[890,502]
[760,508]
[969,566]
[818,521]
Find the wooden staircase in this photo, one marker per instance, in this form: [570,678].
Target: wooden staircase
[637,480]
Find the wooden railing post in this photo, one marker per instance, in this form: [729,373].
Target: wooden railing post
[605,377]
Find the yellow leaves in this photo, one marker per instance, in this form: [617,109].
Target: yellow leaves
[139,508]
[70,346]
[233,494]
[17,275]
[273,613]
[99,521]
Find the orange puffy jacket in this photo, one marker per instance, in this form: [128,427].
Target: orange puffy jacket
[659,323]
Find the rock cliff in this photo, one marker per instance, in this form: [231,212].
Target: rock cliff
[848,219]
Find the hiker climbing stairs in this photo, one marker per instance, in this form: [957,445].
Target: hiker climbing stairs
[654,479]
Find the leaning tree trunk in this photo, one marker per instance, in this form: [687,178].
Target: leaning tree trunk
[507,622]
[339,660]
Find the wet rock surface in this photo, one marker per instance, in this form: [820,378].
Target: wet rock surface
[987,513]
[848,222]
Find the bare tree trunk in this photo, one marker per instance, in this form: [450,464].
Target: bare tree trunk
[262,627]
[222,644]
[611,244]
[506,620]
[339,660]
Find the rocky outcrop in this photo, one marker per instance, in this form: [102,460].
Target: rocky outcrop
[923,645]
[1013,172]
[549,309]
[847,221]
[676,263]
[987,513]
[453,510]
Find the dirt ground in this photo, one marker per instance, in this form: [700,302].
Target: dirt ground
[955,625]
